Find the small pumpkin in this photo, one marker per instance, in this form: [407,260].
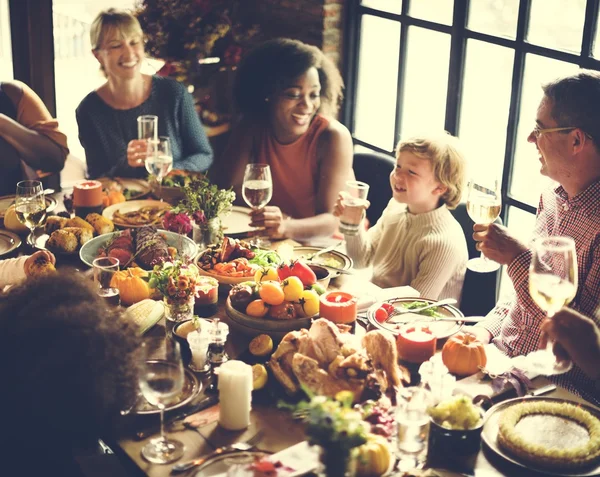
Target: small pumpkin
[463,354]
[374,457]
[131,284]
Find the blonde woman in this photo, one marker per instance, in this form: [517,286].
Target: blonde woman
[107,117]
[417,241]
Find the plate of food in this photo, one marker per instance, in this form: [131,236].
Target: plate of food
[8,200]
[145,244]
[332,259]
[549,435]
[9,242]
[171,189]
[433,316]
[191,389]
[137,213]
[131,188]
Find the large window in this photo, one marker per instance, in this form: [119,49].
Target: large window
[473,68]
[6,68]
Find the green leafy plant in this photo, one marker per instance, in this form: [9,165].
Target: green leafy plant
[204,201]
[176,280]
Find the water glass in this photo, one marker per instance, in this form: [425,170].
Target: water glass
[354,201]
[148,127]
[104,271]
[412,422]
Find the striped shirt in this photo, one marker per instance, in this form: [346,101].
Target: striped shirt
[515,322]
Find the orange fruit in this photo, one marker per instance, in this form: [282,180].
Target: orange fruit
[261,345]
[271,292]
[257,308]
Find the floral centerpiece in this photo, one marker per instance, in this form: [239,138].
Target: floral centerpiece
[204,204]
[179,283]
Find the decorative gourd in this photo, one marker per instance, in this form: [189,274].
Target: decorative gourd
[132,287]
[463,354]
[12,223]
[374,457]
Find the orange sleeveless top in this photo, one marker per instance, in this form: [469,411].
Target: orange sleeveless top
[294,169]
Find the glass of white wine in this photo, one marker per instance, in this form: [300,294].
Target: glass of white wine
[257,190]
[161,379]
[30,206]
[552,285]
[159,161]
[483,206]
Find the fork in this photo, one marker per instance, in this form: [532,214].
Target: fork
[403,311]
[237,446]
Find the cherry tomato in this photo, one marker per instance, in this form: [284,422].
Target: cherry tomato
[271,293]
[388,307]
[381,314]
[284,271]
[285,311]
[309,299]
[265,274]
[292,288]
[257,308]
[303,272]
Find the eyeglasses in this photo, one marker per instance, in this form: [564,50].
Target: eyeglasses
[537,131]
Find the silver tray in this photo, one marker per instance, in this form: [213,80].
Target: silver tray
[344,260]
[489,436]
[9,242]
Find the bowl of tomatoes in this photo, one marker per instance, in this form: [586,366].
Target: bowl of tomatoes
[277,300]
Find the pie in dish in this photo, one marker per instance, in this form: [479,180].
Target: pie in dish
[573,442]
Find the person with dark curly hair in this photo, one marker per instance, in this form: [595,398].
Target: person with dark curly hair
[68,365]
[287,94]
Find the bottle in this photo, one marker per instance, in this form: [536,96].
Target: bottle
[216,350]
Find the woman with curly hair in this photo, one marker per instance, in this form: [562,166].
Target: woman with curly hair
[288,93]
[68,366]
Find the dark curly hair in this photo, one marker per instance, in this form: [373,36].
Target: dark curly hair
[273,65]
[68,362]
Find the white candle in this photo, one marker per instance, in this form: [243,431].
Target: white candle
[235,395]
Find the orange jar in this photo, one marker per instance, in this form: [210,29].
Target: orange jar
[416,343]
[338,306]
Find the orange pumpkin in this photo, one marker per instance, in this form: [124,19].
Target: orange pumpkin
[463,354]
[132,287]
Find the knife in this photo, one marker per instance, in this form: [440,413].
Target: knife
[199,406]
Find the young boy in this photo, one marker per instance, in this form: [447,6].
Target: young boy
[417,241]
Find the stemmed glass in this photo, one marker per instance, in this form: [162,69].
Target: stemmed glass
[161,379]
[483,206]
[30,206]
[552,285]
[159,161]
[257,190]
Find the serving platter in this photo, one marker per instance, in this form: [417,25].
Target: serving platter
[191,388]
[184,245]
[223,279]
[441,329]
[138,188]
[9,242]
[489,436]
[133,206]
[8,200]
[332,258]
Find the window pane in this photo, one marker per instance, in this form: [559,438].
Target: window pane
[424,98]
[377,82]
[494,17]
[6,67]
[596,49]
[527,182]
[391,6]
[485,106]
[557,24]
[439,11]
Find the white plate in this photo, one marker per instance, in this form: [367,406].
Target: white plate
[132,206]
[237,222]
[9,242]
[184,245]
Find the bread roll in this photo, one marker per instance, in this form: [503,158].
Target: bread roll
[101,224]
[55,222]
[83,235]
[41,266]
[63,241]
[79,222]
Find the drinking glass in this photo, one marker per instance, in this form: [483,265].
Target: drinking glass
[412,420]
[483,206]
[159,160]
[104,271]
[147,127]
[161,379]
[30,206]
[354,201]
[257,190]
[552,285]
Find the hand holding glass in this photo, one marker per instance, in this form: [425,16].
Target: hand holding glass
[30,206]
[354,202]
[552,285]
[483,206]
[257,188]
[104,271]
[159,160]
[161,379]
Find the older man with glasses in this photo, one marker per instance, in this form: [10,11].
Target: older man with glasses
[568,120]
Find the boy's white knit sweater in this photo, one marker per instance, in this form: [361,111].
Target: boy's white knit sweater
[426,251]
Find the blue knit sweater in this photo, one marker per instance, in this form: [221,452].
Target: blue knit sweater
[104,132]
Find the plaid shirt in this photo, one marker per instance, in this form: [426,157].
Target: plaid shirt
[515,322]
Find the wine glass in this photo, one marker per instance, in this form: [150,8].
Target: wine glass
[552,285]
[257,190]
[161,379]
[30,206]
[483,206]
[159,161]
